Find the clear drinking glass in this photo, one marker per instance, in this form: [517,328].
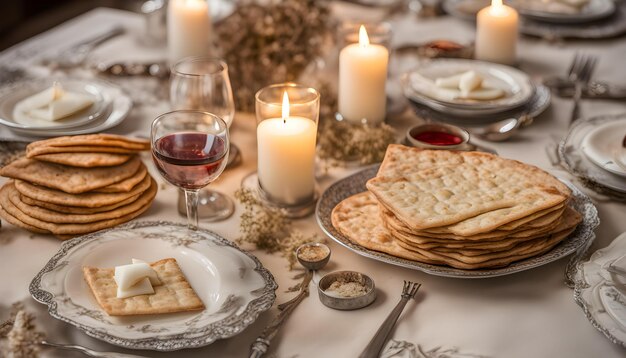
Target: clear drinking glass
[190,150]
[203,84]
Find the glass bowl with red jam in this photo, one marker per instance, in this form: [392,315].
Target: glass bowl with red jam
[437,136]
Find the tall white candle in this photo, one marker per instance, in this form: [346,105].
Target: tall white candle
[362,77]
[188,29]
[496,33]
[286,150]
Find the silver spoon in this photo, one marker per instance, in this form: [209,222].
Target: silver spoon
[501,130]
[311,263]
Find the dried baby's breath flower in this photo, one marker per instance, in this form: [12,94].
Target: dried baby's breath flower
[268,228]
[20,335]
[342,142]
[271,43]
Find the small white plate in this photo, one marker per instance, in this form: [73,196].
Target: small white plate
[16,92]
[233,285]
[116,112]
[603,146]
[538,10]
[418,85]
[601,294]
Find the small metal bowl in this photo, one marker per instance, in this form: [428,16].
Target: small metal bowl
[346,303]
[437,127]
[313,265]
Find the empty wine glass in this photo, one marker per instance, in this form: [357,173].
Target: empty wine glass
[202,83]
[190,150]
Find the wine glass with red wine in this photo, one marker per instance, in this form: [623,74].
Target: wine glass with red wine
[190,150]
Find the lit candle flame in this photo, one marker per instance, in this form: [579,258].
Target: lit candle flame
[496,3]
[285,107]
[364,40]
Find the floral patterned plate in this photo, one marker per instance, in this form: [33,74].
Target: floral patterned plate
[233,285]
[579,240]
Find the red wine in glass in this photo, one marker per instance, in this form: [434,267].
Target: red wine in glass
[190,160]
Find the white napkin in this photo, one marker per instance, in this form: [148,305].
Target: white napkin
[52,104]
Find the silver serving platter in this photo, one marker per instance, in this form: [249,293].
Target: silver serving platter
[536,106]
[579,165]
[233,284]
[354,184]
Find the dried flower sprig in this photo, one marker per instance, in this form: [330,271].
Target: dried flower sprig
[21,334]
[268,228]
[271,43]
[344,142]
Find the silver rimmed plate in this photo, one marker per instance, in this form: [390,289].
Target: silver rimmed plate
[355,184]
[533,108]
[575,161]
[233,285]
[604,146]
[602,294]
[559,12]
[418,85]
[116,112]
[12,94]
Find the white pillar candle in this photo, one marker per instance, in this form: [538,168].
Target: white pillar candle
[286,150]
[362,77]
[188,29]
[496,33]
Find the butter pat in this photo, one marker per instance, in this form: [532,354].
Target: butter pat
[52,104]
[127,276]
[143,287]
[469,81]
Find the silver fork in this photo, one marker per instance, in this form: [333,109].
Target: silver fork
[580,73]
[373,348]
[77,54]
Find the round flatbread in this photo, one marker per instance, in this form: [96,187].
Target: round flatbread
[85,160]
[89,200]
[51,216]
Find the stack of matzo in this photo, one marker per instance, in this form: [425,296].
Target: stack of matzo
[69,186]
[467,210]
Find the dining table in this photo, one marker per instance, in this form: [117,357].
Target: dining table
[525,314]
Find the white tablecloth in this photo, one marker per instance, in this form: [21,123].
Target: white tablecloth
[529,314]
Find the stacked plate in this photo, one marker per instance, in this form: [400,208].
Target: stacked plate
[521,96]
[595,152]
[110,107]
[555,18]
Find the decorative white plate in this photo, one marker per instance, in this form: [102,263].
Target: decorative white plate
[117,111]
[579,165]
[354,184]
[538,10]
[12,94]
[601,294]
[603,146]
[418,85]
[233,285]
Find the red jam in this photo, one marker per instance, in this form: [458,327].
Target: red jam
[438,138]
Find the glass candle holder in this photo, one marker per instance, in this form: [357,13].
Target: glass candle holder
[363,62]
[287,116]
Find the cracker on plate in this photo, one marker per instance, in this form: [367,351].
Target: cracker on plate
[84,160]
[175,295]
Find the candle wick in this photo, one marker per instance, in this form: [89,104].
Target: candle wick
[284,120]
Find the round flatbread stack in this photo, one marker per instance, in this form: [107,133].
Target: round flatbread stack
[467,210]
[69,186]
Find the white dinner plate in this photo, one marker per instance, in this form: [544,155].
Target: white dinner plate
[551,11]
[603,146]
[601,294]
[116,112]
[233,285]
[12,94]
[418,85]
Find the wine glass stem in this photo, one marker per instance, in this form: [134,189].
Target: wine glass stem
[191,198]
